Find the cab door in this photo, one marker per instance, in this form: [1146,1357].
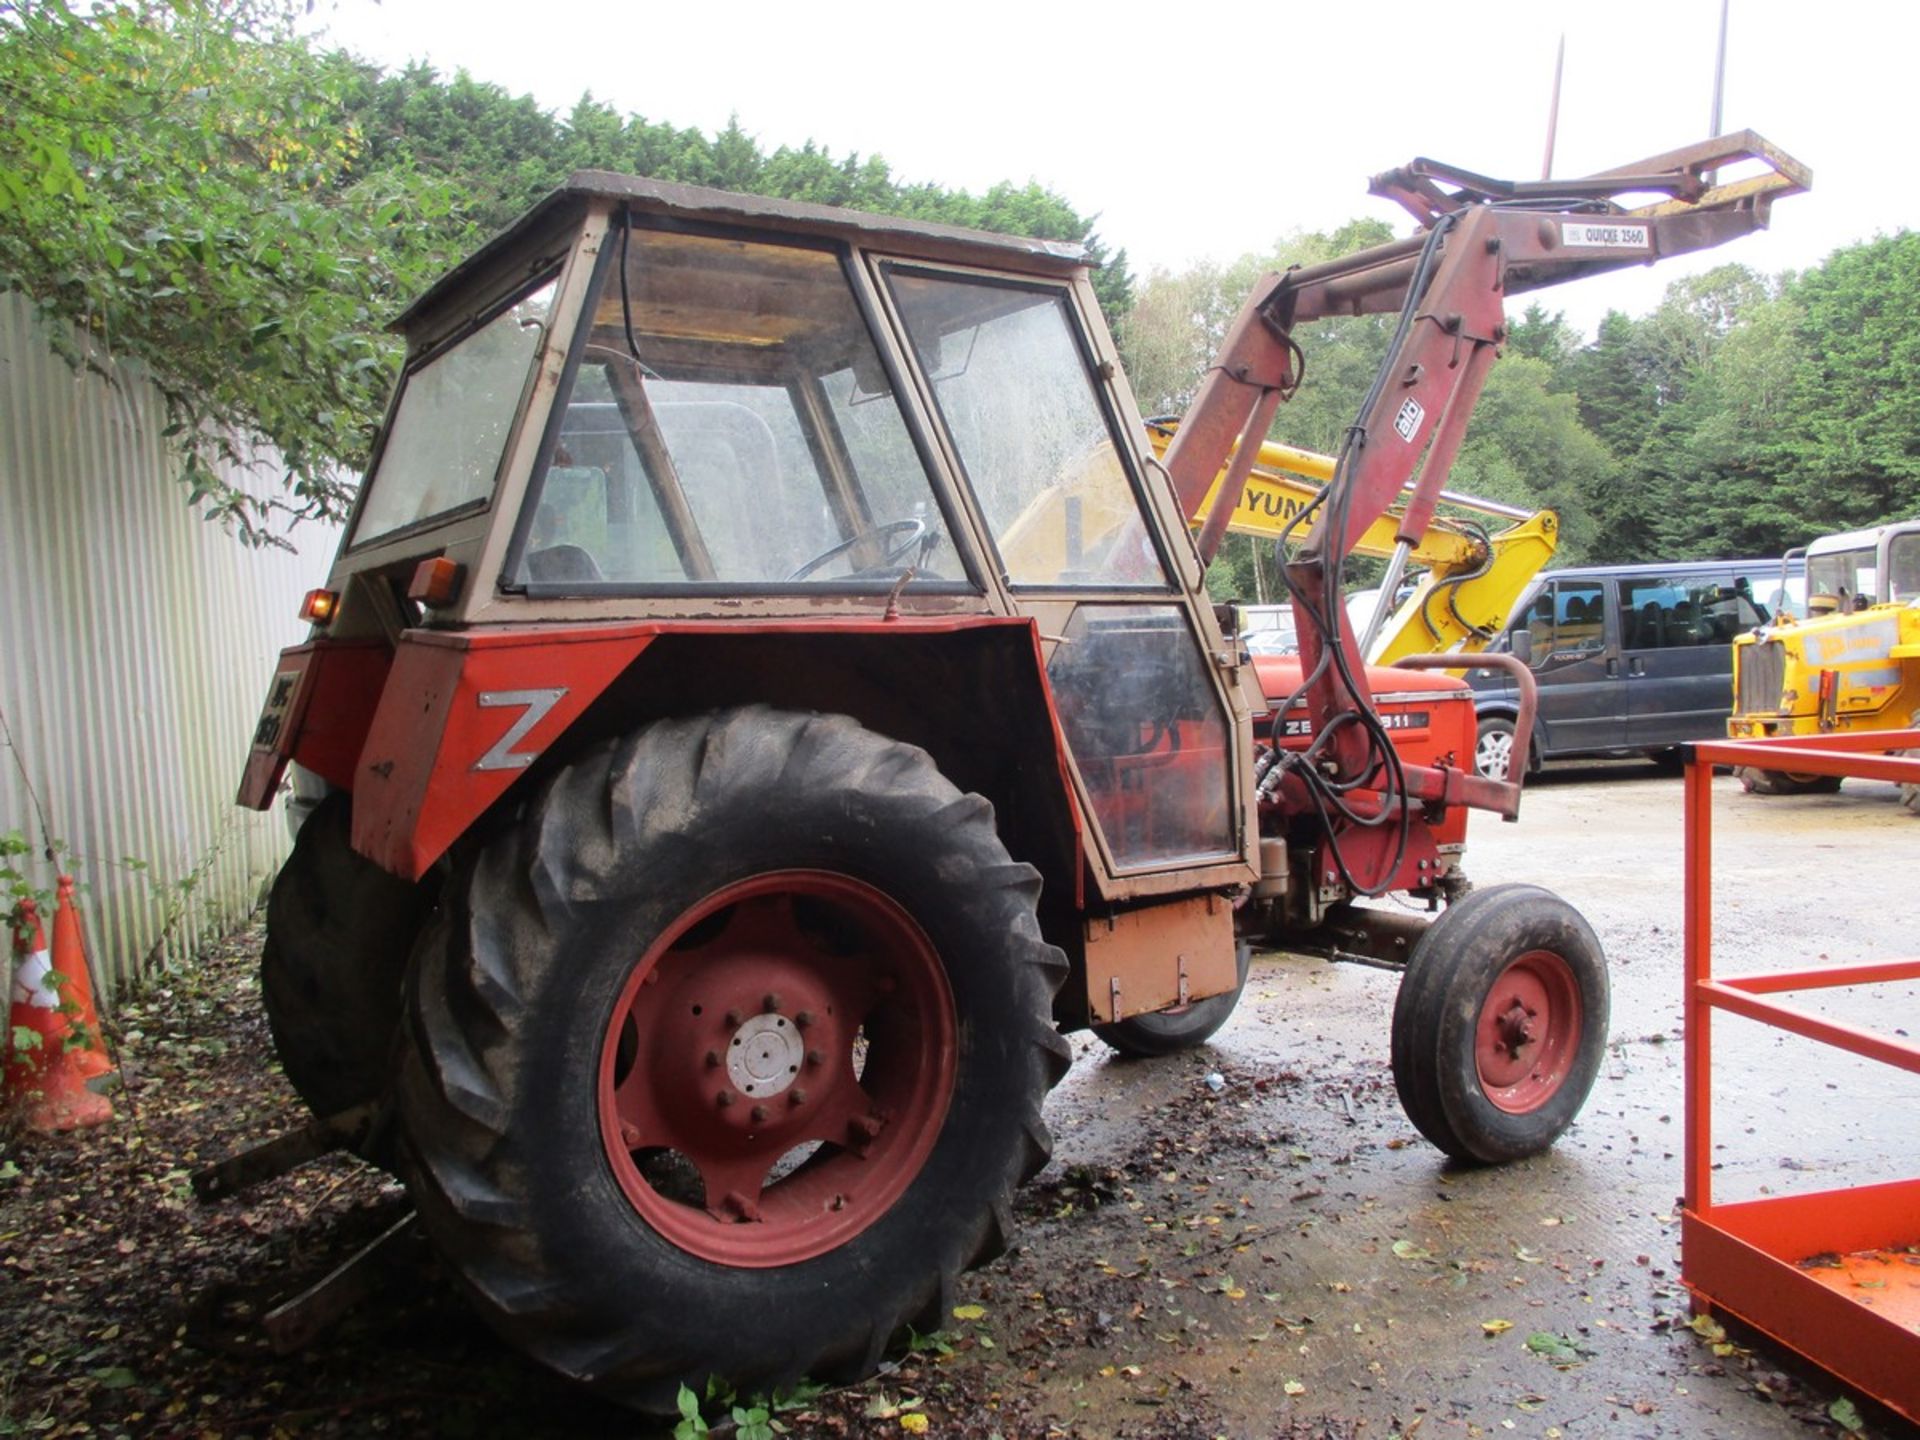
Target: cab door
[1033,424]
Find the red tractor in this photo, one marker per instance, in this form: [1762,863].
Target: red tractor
[766,695]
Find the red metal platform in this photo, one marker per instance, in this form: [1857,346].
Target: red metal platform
[1834,1274]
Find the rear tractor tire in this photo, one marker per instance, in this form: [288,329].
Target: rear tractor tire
[339,930]
[727,1060]
[1500,1024]
[1785,782]
[1169,1032]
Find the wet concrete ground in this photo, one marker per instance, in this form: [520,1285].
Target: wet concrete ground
[1288,1256]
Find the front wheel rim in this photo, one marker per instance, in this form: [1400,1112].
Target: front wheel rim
[1528,1032]
[777,1068]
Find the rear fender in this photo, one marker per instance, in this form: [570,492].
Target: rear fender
[468,717]
[352,675]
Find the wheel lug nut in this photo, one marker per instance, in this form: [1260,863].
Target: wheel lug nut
[770,1003]
[760,1114]
[723,1099]
[713,1059]
[816,1058]
[796,1097]
[804,1019]
[734,1017]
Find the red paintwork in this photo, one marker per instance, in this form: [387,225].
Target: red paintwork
[403,729]
[1856,1313]
[415,788]
[325,739]
[731,1049]
[1528,1032]
[1444,743]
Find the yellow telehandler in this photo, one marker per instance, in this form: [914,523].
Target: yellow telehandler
[1852,664]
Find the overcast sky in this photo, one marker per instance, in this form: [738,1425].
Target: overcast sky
[1205,130]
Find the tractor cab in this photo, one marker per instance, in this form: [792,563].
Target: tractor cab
[657,450]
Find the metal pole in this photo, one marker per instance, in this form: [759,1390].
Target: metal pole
[1553,107]
[1719,72]
[1383,603]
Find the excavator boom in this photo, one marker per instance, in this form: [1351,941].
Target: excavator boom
[1473,577]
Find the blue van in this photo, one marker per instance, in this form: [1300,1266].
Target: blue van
[1630,659]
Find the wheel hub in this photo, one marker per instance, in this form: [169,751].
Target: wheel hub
[726,1050]
[1515,1029]
[1528,1033]
[765,1055]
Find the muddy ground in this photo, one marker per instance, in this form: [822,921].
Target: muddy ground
[1280,1256]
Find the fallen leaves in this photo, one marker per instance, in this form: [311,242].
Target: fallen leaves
[1562,1351]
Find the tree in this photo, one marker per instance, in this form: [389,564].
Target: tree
[198,190]
[1540,336]
[1850,438]
[1526,446]
[175,183]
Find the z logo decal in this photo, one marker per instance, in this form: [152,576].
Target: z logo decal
[537,703]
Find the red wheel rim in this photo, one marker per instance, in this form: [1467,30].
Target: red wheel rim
[1528,1033]
[777,1068]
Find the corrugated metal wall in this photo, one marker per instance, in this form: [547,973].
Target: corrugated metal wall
[136,642]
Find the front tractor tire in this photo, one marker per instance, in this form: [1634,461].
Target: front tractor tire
[1500,1024]
[728,1059]
[1169,1032]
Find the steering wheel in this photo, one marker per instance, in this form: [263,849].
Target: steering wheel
[914,529]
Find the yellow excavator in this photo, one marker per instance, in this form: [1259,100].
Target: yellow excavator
[1472,575]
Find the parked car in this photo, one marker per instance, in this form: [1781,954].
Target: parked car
[1630,659]
[1269,629]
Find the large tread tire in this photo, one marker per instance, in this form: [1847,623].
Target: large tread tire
[1782,782]
[555,925]
[339,932]
[1442,1013]
[1169,1032]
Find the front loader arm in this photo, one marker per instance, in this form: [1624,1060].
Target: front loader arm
[1482,241]
[1474,575]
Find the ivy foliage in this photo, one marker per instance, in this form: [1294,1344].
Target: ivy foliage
[179,182]
[193,186]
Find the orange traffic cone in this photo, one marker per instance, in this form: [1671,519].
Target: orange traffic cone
[76,985]
[41,1076]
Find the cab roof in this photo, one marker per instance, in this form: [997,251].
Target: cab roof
[569,202]
[1859,539]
